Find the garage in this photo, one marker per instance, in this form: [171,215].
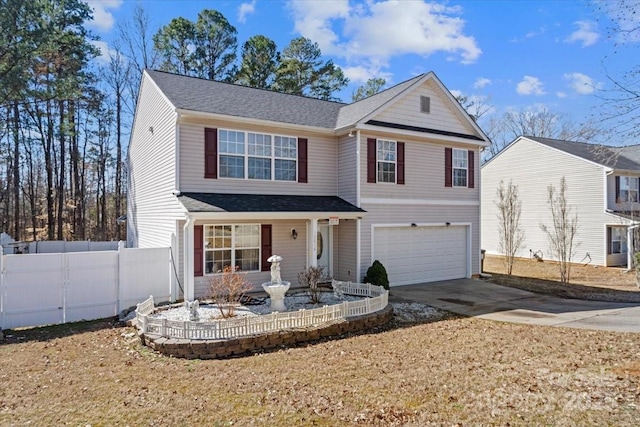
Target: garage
[418,254]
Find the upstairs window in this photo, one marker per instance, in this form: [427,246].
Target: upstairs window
[628,189]
[249,155]
[386,158]
[460,167]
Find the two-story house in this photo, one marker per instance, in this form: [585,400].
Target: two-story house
[228,175]
[601,188]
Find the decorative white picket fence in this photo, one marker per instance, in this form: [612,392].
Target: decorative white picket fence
[50,288]
[376,299]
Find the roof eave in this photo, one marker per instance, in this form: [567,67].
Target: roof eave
[183,113]
[225,216]
[415,134]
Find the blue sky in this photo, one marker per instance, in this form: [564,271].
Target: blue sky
[517,54]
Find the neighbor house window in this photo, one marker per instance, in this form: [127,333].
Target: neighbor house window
[233,246]
[460,167]
[618,240]
[249,155]
[386,158]
[628,189]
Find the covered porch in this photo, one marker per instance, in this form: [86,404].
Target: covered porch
[242,230]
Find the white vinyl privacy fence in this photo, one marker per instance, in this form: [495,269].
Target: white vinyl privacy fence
[49,288]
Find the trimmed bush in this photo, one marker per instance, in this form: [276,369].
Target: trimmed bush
[377,275]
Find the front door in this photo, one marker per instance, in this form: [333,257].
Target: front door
[324,248]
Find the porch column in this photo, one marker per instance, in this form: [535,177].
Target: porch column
[189,284]
[630,247]
[313,243]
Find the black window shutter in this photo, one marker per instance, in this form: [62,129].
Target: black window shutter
[265,238]
[400,162]
[371,160]
[609,239]
[210,153]
[617,189]
[448,167]
[302,160]
[198,247]
[471,170]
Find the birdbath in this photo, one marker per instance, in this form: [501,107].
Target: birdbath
[276,288]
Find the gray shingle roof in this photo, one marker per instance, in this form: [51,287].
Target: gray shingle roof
[208,96]
[218,202]
[627,158]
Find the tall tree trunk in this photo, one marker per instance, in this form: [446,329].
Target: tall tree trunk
[16,172]
[61,178]
[48,162]
[118,161]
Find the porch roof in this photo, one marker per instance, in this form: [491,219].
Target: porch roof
[267,203]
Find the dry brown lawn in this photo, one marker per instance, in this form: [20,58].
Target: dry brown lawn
[586,281]
[448,371]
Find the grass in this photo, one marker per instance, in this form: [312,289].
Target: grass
[453,371]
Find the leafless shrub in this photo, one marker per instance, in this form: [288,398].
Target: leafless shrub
[510,233]
[563,231]
[227,289]
[310,279]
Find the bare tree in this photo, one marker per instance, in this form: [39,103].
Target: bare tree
[510,232]
[539,122]
[564,229]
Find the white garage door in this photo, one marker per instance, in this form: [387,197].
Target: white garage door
[421,254]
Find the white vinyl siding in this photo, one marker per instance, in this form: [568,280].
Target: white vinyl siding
[152,208]
[443,116]
[344,254]
[424,175]
[321,169]
[533,167]
[347,170]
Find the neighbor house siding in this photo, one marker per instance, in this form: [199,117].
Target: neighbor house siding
[533,167]
[152,208]
[612,203]
[404,215]
[424,174]
[322,170]
[442,116]
[347,168]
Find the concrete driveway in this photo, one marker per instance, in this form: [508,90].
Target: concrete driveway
[478,298]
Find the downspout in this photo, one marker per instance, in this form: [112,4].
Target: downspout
[358,221]
[187,241]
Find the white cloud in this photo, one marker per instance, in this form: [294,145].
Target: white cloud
[105,52]
[587,34]
[370,33]
[581,83]
[102,18]
[561,95]
[246,9]
[530,86]
[481,82]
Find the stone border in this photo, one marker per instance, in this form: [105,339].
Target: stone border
[215,349]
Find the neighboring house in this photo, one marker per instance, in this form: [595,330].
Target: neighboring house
[228,175]
[602,188]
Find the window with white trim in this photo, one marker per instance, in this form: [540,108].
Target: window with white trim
[618,240]
[386,159]
[234,246]
[460,167]
[250,155]
[628,189]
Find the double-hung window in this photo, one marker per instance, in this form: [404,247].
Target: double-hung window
[249,155]
[231,246]
[628,189]
[386,158]
[460,167]
[618,240]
